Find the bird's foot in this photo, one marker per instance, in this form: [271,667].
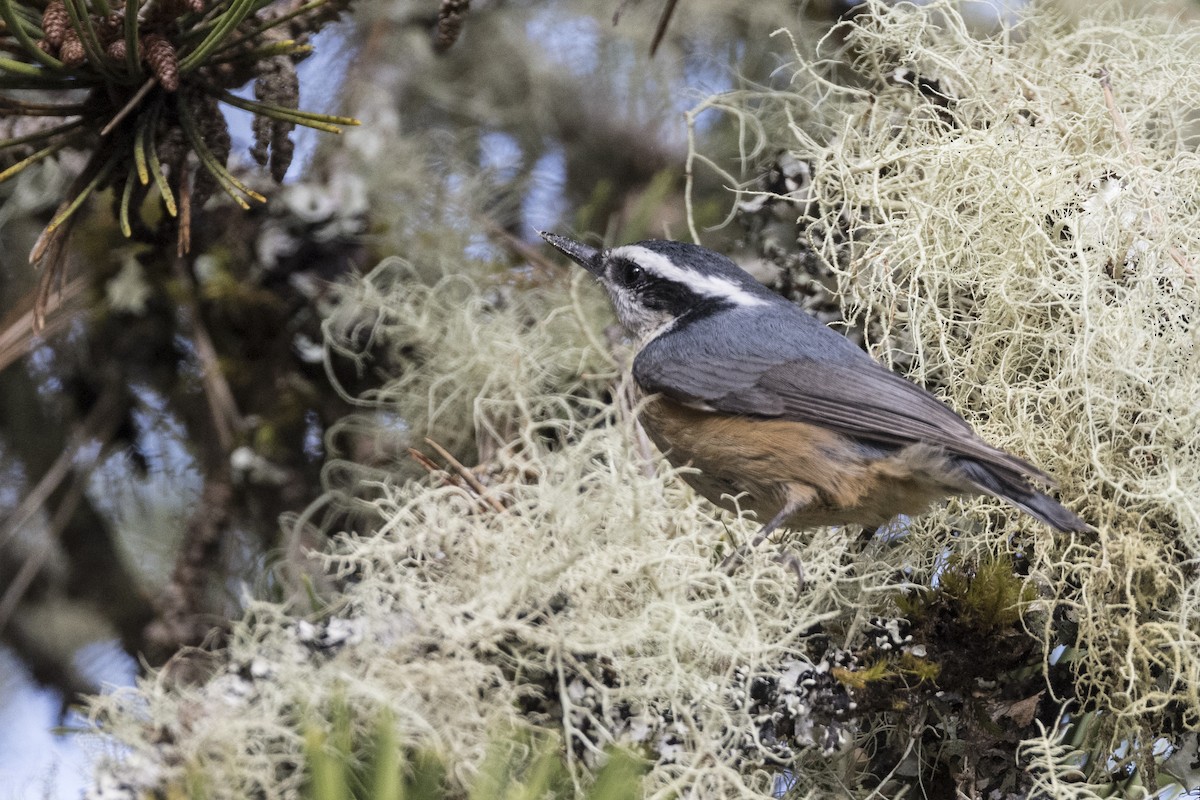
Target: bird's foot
[790,560]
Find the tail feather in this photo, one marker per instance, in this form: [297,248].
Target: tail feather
[1048,510]
[1015,489]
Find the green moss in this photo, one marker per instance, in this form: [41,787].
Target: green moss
[862,678]
[991,595]
[920,669]
[984,596]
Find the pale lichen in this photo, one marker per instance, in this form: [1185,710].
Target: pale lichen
[1011,219]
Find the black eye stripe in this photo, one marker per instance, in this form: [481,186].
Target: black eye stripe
[627,273]
[655,292]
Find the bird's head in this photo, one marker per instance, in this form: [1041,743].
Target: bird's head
[654,283]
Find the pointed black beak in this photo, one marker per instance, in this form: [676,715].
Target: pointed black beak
[584,255]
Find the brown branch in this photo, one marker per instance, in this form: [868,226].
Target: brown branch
[468,476]
[184,238]
[441,474]
[33,564]
[181,618]
[18,328]
[100,424]
[521,249]
[51,249]
[663,22]
[128,108]
[425,461]
[221,403]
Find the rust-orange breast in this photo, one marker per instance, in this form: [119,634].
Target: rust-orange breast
[770,462]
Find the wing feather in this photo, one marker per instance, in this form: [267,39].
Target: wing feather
[815,376]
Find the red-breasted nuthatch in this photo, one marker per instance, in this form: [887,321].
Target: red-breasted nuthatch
[774,408]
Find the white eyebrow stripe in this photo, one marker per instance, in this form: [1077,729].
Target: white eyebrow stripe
[708,285]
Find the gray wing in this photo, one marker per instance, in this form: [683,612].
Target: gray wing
[811,375]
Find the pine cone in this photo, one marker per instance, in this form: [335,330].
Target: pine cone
[159,54]
[215,132]
[451,16]
[278,84]
[110,29]
[71,52]
[55,23]
[261,127]
[282,150]
[116,50]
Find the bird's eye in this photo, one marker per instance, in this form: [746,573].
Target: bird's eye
[627,273]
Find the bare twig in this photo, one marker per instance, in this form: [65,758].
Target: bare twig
[468,476]
[18,329]
[35,561]
[221,402]
[663,22]
[184,238]
[129,107]
[439,473]
[424,460]
[1117,117]
[100,423]
[518,247]
[50,249]
[1122,129]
